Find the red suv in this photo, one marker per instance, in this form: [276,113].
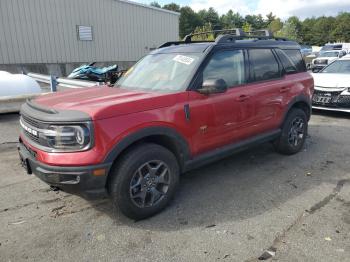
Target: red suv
[182,106]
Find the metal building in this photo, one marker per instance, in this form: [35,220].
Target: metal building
[56,35]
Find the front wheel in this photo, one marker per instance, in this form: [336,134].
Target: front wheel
[144,181]
[293,134]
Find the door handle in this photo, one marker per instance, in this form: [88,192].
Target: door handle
[284,89]
[242,98]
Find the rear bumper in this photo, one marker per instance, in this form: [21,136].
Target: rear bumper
[73,179]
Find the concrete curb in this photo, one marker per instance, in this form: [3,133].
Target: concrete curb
[12,104]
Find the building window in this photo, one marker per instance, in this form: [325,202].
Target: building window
[84,32]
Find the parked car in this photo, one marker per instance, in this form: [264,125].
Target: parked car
[184,105]
[332,89]
[331,47]
[305,50]
[326,58]
[17,85]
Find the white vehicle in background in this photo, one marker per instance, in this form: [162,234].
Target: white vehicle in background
[332,86]
[325,58]
[17,84]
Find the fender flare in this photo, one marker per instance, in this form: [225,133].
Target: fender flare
[179,141]
[300,98]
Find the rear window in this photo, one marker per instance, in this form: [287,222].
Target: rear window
[295,56]
[264,65]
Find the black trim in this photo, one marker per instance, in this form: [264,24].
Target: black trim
[187,112]
[75,179]
[294,101]
[228,150]
[45,114]
[180,143]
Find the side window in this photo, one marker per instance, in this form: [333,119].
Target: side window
[227,65]
[287,63]
[295,56]
[264,65]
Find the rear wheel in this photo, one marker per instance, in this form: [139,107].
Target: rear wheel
[144,181]
[293,134]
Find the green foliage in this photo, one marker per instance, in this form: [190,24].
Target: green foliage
[311,31]
[247,27]
[204,37]
[189,20]
[172,7]
[231,20]
[155,4]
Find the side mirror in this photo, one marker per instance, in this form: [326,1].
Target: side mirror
[213,86]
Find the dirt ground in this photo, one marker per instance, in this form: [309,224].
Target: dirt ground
[256,204]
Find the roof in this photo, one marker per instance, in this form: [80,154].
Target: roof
[150,7]
[199,47]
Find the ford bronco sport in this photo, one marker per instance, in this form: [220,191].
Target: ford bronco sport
[185,104]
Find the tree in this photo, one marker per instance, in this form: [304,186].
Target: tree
[289,30]
[204,37]
[172,7]
[341,32]
[270,18]
[210,16]
[231,20]
[247,27]
[189,20]
[155,4]
[256,21]
[275,25]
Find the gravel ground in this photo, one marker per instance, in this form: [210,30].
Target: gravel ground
[256,204]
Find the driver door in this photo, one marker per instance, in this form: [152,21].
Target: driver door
[220,119]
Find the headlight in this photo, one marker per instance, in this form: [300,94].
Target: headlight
[67,137]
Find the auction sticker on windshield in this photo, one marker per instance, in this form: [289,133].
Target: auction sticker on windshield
[183,59]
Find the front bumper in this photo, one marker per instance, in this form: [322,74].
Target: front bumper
[331,109]
[78,180]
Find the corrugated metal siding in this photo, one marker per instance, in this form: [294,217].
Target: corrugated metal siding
[45,31]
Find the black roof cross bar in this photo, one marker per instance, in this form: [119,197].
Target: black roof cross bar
[262,33]
[235,31]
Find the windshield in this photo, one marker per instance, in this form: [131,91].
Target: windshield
[161,72]
[329,54]
[338,67]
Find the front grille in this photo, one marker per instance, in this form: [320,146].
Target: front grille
[33,124]
[31,121]
[344,101]
[336,100]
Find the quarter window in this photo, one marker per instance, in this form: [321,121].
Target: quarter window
[264,65]
[295,56]
[227,65]
[287,63]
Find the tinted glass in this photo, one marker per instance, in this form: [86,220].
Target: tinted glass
[295,56]
[338,67]
[263,64]
[287,63]
[227,65]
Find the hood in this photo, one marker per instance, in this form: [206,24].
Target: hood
[104,102]
[331,80]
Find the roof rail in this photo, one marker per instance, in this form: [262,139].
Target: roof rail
[234,31]
[228,35]
[266,33]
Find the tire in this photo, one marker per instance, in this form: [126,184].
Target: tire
[294,132]
[144,181]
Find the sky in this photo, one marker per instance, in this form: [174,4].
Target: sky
[281,8]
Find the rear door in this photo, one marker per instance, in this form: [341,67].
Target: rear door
[269,89]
